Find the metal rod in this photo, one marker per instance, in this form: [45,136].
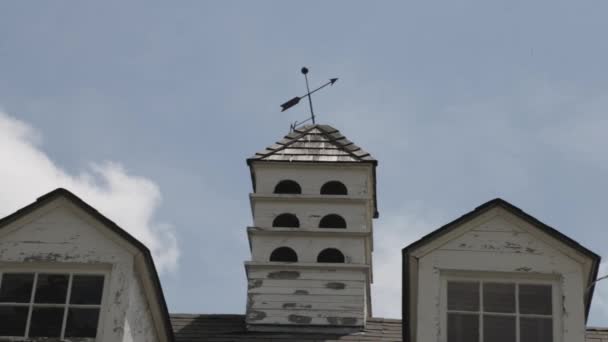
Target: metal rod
[596,281]
[312,92]
[312,112]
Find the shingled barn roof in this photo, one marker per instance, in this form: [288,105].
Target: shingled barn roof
[231,328]
[314,143]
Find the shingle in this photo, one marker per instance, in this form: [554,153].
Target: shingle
[313,143]
[224,328]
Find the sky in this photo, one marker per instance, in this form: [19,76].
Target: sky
[148,110]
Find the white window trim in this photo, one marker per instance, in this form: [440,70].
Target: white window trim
[495,277]
[58,269]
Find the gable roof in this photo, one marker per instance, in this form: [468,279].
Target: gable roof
[60,192]
[498,202]
[231,328]
[314,143]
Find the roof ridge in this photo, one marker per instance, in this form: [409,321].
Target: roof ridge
[340,138]
[293,140]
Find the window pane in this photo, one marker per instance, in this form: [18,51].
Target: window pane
[12,320]
[51,288]
[86,289]
[16,287]
[463,328]
[82,323]
[535,299]
[498,328]
[499,297]
[463,296]
[536,329]
[46,322]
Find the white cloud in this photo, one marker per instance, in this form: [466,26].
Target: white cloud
[130,201]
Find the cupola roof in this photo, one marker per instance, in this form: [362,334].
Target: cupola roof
[314,143]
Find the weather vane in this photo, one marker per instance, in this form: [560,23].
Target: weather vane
[285,106]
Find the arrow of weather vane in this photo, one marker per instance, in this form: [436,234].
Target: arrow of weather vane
[285,106]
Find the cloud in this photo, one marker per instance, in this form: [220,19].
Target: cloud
[131,201]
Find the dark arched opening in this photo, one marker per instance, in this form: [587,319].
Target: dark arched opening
[287,187]
[332,221]
[284,254]
[331,255]
[334,188]
[286,220]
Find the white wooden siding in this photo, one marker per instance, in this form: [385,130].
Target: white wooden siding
[499,243]
[308,248]
[59,235]
[312,177]
[298,296]
[322,294]
[309,213]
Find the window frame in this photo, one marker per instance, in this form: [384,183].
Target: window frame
[71,272]
[506,278]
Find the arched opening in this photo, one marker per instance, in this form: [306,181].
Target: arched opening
[331,255]
[284,254]
[286,220]
[334,188]
[332,221]
[287,187]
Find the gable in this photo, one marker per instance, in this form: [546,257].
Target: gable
[484,211]
[495,238]
[500,231]
[60,230]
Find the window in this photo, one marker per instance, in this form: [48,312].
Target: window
[334,188]
[284,254]
[54,305]
[332,221]
[286,220]
[287,187]
[499,311]
[331,255]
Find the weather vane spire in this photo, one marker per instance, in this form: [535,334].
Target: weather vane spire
[297,99]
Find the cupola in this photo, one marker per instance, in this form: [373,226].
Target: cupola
[313,203]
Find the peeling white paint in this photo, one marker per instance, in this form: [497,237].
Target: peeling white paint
[499,243]
[308,294]
[60,236]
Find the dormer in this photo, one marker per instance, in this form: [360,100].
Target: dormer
[68,273]
[497,274]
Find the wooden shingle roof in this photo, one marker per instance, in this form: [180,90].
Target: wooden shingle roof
[597,335]
[231,328]
[314,143]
